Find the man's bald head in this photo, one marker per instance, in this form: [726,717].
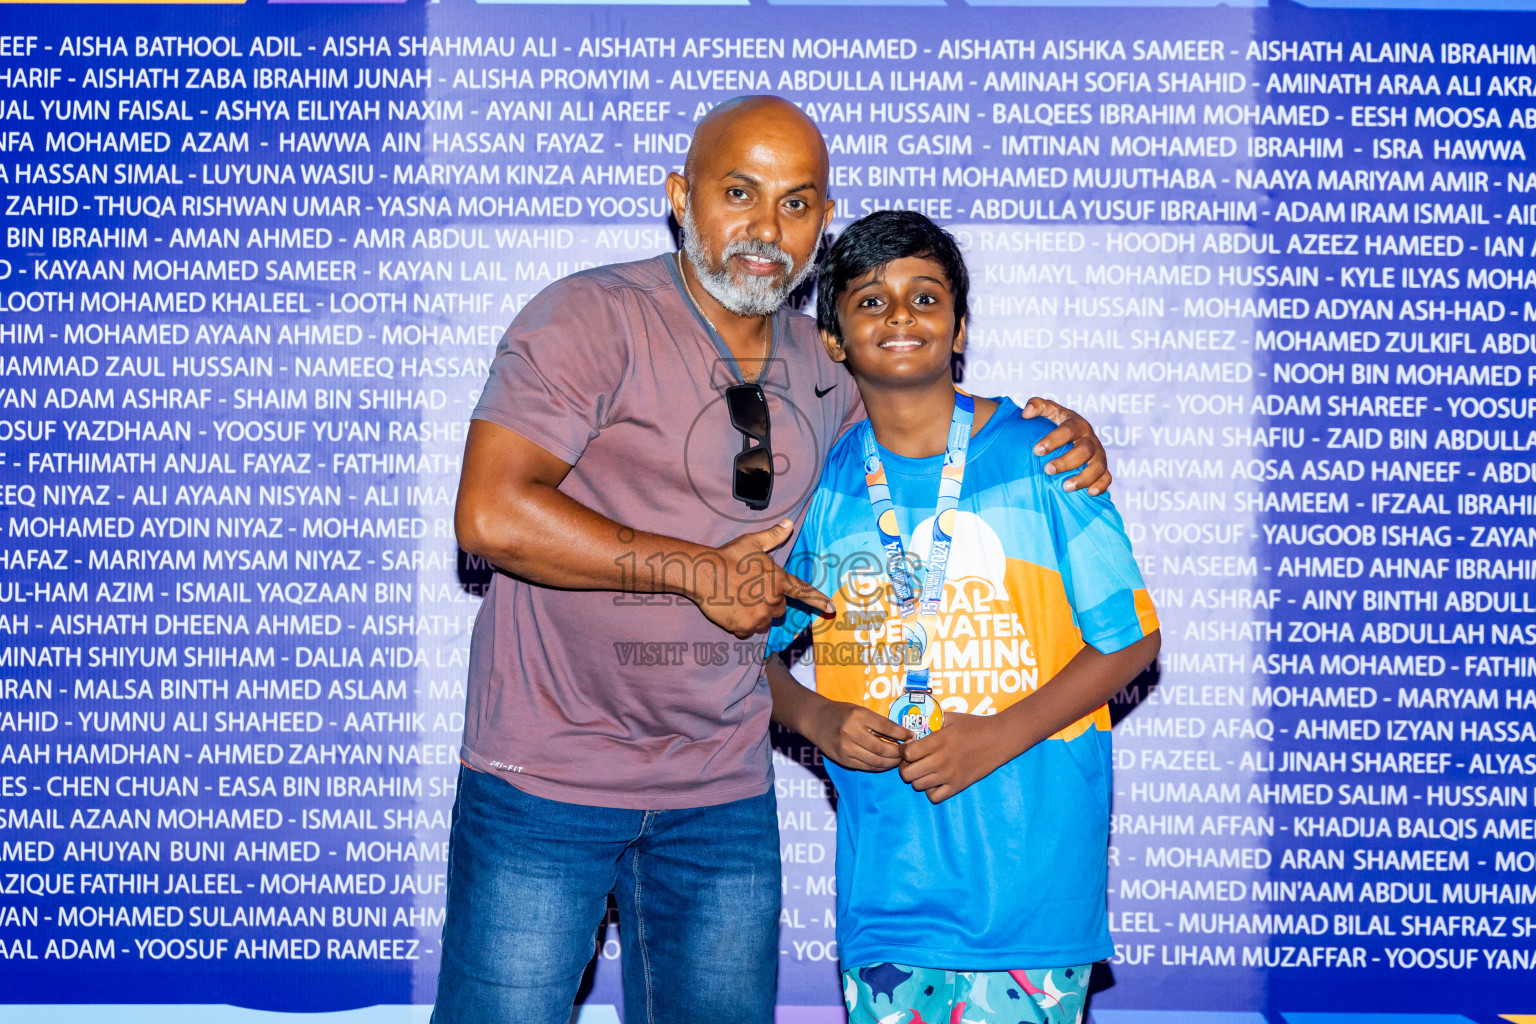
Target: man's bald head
[752,202]
[765,118]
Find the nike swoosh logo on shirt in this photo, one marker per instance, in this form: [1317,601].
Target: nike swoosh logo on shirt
[820,393]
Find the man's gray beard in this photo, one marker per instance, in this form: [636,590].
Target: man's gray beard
[751,296]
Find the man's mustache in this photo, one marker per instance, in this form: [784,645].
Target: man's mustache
[760,249]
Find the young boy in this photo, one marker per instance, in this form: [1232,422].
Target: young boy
[970,880]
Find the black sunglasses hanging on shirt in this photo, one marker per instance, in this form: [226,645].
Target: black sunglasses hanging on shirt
[752,479]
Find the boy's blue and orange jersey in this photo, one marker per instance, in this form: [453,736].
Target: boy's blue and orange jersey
[1010,873]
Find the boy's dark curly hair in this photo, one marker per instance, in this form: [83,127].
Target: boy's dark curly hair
[878,239]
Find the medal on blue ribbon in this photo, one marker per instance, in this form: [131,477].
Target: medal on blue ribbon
[915,707]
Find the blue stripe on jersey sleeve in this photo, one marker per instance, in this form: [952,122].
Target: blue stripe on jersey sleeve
[1098,570]
[1111,625]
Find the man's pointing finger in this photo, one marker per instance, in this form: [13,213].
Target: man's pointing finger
[802,591]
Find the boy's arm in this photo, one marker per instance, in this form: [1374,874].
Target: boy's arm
[850,734]
[970,747]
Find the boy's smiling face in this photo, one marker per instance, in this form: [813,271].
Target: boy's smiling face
[898,324]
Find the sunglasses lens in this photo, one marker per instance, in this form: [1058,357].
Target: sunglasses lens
[749,410]
[754,477]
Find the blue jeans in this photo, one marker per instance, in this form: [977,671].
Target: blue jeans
[528,884]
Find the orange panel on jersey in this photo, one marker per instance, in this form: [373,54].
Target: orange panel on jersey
[1015,639]
[1145,613]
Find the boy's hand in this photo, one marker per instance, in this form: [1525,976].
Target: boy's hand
[856,737]
[967,749]
[1086,450]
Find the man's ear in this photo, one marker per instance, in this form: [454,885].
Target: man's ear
[677,195]
[958,346]
[834,346]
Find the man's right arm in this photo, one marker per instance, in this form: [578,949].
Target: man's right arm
[512,513]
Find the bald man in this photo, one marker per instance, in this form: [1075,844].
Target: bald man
[648,436]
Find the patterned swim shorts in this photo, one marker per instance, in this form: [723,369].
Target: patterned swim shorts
[894,994]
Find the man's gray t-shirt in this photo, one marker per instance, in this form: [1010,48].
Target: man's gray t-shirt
[627,699]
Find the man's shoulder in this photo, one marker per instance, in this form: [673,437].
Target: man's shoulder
[643,275]
[592,295]
[798,319]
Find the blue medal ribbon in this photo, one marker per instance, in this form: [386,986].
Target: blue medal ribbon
[915,708]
